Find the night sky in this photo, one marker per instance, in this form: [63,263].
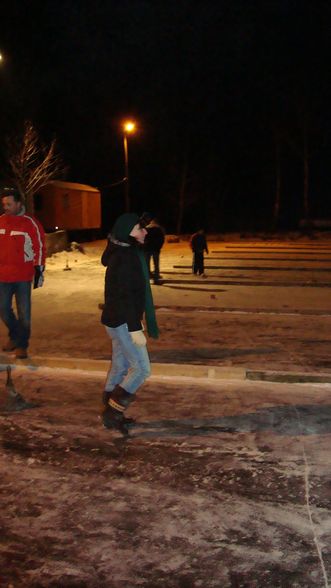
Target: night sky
[217,87]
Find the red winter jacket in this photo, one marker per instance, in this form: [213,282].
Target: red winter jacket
[22,246]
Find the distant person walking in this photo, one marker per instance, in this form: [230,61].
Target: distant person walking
[22,261]
[127,297]
[153,244]
[198,243]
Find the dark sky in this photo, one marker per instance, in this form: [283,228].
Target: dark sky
[215,86]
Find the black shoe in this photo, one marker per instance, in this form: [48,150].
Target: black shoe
[21,353]
[9,346]
[129,421]
[116,402]
[105,397]
[113,419]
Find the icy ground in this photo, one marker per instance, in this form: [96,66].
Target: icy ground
[264,304]
[218,486]
[221,484]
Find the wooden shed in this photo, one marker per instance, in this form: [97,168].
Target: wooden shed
[67,205]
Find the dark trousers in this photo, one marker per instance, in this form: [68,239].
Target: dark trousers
[198,262]
[19,326]
[156,260]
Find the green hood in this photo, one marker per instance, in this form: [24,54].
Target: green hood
[124,225]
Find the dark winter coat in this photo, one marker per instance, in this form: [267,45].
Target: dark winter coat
[154,238]
[124,287]
[198,243]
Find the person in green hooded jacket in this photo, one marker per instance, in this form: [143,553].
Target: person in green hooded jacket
[128,299]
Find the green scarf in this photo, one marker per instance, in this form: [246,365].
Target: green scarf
[152,328]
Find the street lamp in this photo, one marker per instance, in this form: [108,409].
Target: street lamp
[129,127]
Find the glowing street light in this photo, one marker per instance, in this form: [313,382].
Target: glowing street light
[129,127]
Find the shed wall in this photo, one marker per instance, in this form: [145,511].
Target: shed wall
[68,208]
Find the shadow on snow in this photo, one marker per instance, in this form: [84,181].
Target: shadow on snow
[282,420]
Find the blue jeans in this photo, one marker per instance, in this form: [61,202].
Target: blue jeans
[130,364]
[19,327]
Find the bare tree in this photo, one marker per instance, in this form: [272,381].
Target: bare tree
[32,163]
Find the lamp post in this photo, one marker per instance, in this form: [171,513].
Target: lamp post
[129,127]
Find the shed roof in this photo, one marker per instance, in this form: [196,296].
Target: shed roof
[72,186]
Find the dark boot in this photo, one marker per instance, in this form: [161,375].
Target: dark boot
[112,416]
[21,353]
[105,397]
[9,346]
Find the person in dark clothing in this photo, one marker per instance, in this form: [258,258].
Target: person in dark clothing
[199,245]
[154,241]
[127,298]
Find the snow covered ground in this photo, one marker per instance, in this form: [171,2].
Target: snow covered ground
[278,318]
[218,486]
[221,484]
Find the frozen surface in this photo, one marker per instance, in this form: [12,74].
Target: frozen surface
[222,320]
[219,485]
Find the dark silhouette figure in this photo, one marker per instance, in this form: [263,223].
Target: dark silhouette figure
[198,245]
[154,241]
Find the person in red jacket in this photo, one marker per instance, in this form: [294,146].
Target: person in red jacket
[22,261]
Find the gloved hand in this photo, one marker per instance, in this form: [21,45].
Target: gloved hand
[38,276]
[138,338]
